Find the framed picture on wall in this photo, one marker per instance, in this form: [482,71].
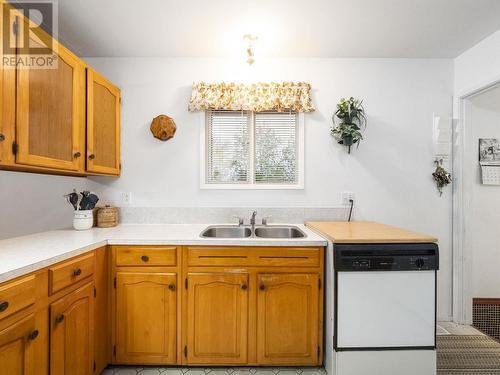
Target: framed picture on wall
[489,159]
[489,150]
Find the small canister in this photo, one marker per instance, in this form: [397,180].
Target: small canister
[107,217]
[83,219]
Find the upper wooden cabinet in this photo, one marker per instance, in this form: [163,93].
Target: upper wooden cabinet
[63,119]
[217,318]
[50,114]
[103,125]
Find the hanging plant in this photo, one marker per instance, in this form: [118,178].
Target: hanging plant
[351,119]
[441,176]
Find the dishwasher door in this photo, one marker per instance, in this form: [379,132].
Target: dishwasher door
[385,310]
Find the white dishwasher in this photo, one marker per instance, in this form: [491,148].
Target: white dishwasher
[385,308]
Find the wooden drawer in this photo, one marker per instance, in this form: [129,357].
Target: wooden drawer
[70,272]
[253,256]
[17,295]
[146,256]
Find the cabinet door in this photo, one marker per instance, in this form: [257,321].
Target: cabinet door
[287,319]
[50,121]
[17,348]
[103,125]
[217,318]
[72,333]
[146,306]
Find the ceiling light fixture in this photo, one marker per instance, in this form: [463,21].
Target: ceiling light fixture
[249,38]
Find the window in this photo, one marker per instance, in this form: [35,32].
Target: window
[244,149]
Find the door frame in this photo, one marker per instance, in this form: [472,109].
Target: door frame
[462,253]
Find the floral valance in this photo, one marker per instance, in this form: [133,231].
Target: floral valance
[253,97]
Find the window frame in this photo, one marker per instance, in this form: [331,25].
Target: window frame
[203,118]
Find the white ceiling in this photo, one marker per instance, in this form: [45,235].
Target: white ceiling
[286,28]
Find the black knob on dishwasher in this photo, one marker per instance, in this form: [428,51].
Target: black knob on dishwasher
[419,262]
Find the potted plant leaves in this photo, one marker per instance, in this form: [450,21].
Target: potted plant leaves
[351,119]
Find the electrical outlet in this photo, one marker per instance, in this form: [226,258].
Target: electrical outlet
[347,196]
[127,198]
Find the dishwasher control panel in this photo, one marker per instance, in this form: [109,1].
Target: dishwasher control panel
[386,257]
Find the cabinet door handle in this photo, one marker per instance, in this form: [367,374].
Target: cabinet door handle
[77,272]
[33,335]
[145,258]
[2,137]
[262,286]
[91,156]
[3,306]
[77,154]
[59,318]
[171,287]
[244,286]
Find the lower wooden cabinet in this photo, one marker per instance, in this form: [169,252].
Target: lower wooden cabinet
[72,333]
[146,318]
[18,347]
[217,318]
[287,319]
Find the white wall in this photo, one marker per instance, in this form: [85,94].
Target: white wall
[32,203]
[390,173]
[483,116]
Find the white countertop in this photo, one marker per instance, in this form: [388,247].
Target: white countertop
[22,255]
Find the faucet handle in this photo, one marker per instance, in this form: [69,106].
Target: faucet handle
[265,219]
[240,220]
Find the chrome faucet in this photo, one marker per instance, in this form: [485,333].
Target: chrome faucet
[252,220]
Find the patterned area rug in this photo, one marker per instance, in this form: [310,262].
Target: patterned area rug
[474,355]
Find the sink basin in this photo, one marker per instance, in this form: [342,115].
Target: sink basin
[279,232]
[227,231]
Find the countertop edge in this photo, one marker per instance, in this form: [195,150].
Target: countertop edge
[50,260]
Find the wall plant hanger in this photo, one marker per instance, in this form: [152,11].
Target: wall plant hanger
[351,119]
[441,177]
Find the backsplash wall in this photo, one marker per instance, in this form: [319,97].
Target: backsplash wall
[31,202]
[390,173]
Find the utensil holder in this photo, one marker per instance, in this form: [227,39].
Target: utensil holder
[83,219]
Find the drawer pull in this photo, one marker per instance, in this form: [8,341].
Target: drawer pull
[244,286]
[171,287]
[77,272]
[33,335]
[3,306]
[145,258]
[262,287]
[59,318]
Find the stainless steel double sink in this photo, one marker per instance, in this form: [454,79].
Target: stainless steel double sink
[246,231]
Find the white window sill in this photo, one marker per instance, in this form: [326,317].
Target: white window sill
[251,187]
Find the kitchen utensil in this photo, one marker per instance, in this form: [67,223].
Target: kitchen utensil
[89,201]
[92,200]
[78,207]
[72,198]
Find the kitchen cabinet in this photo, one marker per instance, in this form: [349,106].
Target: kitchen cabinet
[146,317]
[217,318]
[17,347]
[102,331]
[50,115]
[103,125]
[44,125]
[287,319]
[72,333]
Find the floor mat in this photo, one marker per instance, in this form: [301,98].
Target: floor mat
[468,355]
